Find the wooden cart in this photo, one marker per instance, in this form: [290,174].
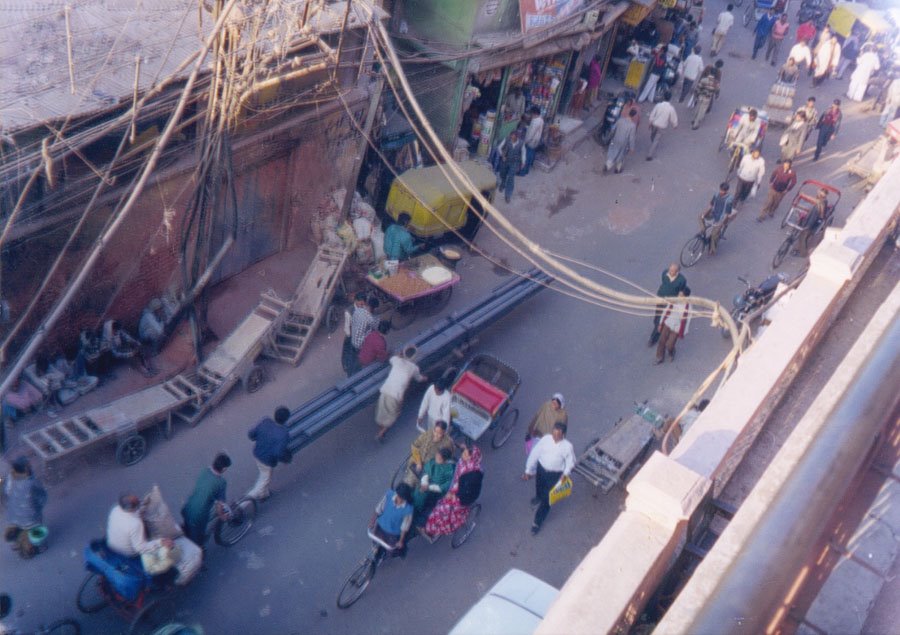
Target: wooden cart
[405,293]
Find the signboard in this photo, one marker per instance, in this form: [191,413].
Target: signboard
[536,14]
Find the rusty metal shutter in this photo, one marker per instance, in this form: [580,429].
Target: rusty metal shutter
[437,89]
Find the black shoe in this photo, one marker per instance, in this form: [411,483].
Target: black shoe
[535,529]
[535,501]
[672,356]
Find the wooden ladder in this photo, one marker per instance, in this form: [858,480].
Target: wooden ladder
[61,437]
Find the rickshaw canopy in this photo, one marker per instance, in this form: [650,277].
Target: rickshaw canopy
[846,14]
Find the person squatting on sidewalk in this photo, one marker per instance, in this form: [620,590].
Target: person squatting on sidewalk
[270,447]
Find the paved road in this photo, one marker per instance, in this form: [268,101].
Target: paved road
[284,576]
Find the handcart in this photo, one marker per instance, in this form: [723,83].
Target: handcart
[419,284]
[780,103]
[612,459]
[873,161]
[797,217]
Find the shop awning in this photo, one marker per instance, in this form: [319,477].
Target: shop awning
[638,10]
[489,58]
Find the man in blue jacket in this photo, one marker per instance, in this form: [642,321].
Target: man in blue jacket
[270,448]
[763,31]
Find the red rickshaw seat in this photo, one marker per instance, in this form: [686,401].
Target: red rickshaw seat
[480,392]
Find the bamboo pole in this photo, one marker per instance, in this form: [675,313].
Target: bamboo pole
[134,98]
[69,50]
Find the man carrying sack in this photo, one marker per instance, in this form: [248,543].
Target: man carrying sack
[551,459]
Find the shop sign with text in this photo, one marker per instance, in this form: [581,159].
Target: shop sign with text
[540,13]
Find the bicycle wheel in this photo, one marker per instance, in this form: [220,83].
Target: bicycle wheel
[462,534]
[782,252]
[356,584]
[229,532]
[692,251]
[92,595]
[505,427]
[63,627]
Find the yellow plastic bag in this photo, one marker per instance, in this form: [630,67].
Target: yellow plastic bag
[561,490]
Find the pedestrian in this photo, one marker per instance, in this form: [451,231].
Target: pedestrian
[349,355]
[550,459]
[672,281]
[691,37]
[801,54]
[782,180]
[512,158]
[673,325]
[533,138]
[390,395]
[791,141]
[270,447]
[867,64]
[435,405]
[25,499]
[849,53]
[892,102]
[812,115]
[661,117]
[762,31]
[696,11]
[779,31]
[823,57]
[374,347]
[806,32]
[723,24]
[550,413]
[362,322]
[706,91]
[693,65]
[206,499]
[720,212]
[621,142]
[750,173]
[828,126]
[657,69]
[595,75]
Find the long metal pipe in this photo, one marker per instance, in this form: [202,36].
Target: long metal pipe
[756,582]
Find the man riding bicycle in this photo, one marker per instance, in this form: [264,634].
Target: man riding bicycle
[746,133]
[394,516]
[717,216]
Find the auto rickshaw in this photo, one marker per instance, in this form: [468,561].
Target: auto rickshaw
[850,17]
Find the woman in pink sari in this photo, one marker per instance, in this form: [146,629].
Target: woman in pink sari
[450,513]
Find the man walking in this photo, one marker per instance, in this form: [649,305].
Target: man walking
[762,31]
[533,136]
[362,322]
[693,65]
[828,126]
[207,497]
[750,174]
[550,459]
[512,158]
[723,24]
[270,447]
[673,325]
[661,117]
[622,142]
[823,56]
[782,181]
[672,282]
[779,31]
[801,54]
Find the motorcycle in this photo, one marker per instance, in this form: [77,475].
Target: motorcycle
[670,76]
[614,110]
[815,10]
[753,298]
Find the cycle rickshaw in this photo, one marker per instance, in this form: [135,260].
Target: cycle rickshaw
[798,216]
[737,150]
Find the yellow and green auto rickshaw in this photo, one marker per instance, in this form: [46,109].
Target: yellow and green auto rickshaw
[847,17]
[434,205]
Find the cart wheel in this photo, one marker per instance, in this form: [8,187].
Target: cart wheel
[332,318]
[403,316]
[131,450]
[255,378]
[91,595]
[782,251]
[401,472]
[229,532]
[462,534]
[692,251]
[154,615]
[505,427]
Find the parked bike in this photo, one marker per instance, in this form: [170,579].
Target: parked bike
[614,110]
[753,298]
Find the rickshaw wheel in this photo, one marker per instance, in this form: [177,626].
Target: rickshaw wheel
[462,534]
[153,615]
[356,584]
[131,450]
[229,532]
[505,427]
[91,595]
[782,252]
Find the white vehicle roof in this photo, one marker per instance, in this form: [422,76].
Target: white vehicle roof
[513,606]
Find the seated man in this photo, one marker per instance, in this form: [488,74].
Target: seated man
[398,242]
[152,327]
[394,514]
[123,346]
[125,532]
[425,448]
[437,475]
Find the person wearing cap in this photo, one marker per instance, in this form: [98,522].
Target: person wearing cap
[435,404]
[549,414]
[390,397]
[25,502]
[673,325]
[207,497]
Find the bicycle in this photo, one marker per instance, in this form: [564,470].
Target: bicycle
[59,627]
[234,522]
[695,247]
[358,581]
[737,153]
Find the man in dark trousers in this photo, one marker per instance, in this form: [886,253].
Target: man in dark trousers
[829,124]
[271,447]
[673,281]
[550,459]
[208,495]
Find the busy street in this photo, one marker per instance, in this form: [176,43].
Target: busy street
[620,214]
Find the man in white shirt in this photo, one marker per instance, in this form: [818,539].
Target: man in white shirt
[693,65]
[435,405]
[747,130]
[533,135]
[661,117]
[801,53]
[750,173]
[550,459]
[125,533]
[390,399]
[723,24]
